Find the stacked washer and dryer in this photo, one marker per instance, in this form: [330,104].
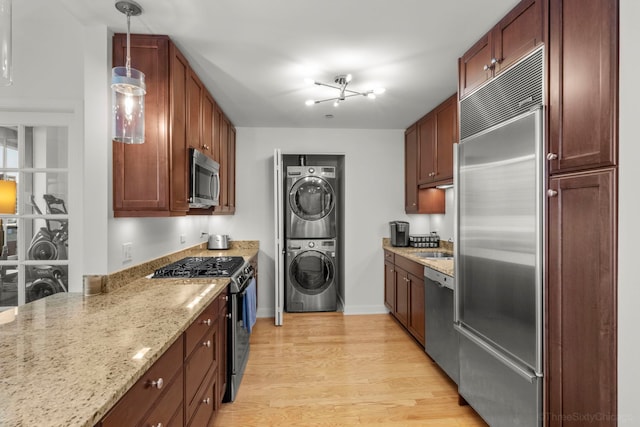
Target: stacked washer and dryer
[311,279]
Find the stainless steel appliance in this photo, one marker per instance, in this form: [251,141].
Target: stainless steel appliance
[311,212]
[218,241]
[441,339]
[204,183]
[312,276]
[499,187]
[241,274]
[399,233]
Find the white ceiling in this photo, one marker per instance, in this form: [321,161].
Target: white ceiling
[253,55]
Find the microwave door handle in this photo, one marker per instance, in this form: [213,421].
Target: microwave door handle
[215,186]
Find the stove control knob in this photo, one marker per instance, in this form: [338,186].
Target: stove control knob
[311,170]
[312,245]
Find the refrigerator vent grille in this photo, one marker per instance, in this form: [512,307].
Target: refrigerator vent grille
[510,94]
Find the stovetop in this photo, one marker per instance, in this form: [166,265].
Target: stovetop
[201,267]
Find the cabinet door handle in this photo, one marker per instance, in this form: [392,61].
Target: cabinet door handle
[207,343]
[552,193]
[206,401]
[552,156]
[157,383]
[207,322]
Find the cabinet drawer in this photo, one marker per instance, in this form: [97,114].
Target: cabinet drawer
[389,256]
[200,364]
[134,405]
[195,333]
[411,266]
[204,405]
[168,410]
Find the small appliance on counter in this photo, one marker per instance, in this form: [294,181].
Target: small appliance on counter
[425,240]
[218,241]
[399,233]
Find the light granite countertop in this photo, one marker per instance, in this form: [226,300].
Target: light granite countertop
[65,360]
[442,265]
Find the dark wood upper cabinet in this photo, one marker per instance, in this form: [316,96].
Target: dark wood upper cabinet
[581,364]
[446,136]
[583,84]
[411,169]
[152,179]
[517,34]
[426,149]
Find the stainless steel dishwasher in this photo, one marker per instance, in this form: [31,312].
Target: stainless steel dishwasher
[441,339]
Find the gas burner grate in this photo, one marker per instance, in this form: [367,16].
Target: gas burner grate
[194,267]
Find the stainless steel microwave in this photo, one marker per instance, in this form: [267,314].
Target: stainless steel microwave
[204,185]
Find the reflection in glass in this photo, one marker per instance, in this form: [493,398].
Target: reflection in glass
[45,280]
[38,188]
[46,147]
[49,239]
[8,285]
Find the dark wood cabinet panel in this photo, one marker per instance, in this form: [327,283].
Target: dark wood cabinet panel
[227,150]
[446,136]
[221,347]
[149,390]
[473,66]
[402,296]
[195,94]
[583,84]
[426,149]
[416,309]
[411,170]
[231,170]
[140,171]
[389,286]
[582,317]
[208,141]
[178,161]
[515,35]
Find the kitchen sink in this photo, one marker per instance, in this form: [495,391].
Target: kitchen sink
[434,255]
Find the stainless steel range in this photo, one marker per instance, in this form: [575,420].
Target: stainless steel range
[240,273]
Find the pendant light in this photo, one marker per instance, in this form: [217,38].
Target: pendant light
[5,43]
[128,90]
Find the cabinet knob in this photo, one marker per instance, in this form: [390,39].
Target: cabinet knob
[157,425]
[552,156]
[391,270]
[494,61]
[226,297]
[207,322]
[206,401]
[207,343]
[486,67]
[413,204]
[228,315]
[157,383]
[552,193]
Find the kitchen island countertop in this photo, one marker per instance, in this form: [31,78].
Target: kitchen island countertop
[65,360]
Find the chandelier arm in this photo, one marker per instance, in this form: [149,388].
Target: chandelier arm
[327,85]
[355,94]
[325,100]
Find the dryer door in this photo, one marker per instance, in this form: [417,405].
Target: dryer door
[312,272]
[311,198]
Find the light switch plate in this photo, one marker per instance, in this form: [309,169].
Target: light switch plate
[127,252]
[183,238]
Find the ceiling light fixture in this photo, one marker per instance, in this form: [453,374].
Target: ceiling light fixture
[128,90]
[341,83]
[5,43]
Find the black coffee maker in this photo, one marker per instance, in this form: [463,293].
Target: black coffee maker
[399,233]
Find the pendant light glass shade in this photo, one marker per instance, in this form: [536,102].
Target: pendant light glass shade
[127,97]
[5,43]
[128,89]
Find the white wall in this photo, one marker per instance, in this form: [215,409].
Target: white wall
[374,187]
[629,227]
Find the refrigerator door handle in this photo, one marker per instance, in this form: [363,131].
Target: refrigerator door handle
[456,226]
[525,373]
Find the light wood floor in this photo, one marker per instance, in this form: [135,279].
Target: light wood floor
[326,369]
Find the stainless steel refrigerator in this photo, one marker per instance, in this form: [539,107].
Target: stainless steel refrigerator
[498,297]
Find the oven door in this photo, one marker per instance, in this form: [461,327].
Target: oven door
[237,342]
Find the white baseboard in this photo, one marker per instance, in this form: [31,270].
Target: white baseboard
[365,309]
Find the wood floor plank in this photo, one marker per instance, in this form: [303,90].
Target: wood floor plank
[327,369]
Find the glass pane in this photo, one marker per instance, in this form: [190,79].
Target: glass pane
[8,147]
[312,199]
[9,239]
[8,285]
[8,193]
[44,193]
[49,239]
[312,271]
[45,280]
[46,147]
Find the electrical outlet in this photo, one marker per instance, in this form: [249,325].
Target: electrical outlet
[127,255]
[183,238]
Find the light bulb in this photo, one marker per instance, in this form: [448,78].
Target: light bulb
[348,78]
[128,106]
[371,95]
[336,103]
[309,102]
[309,81]
[379,90]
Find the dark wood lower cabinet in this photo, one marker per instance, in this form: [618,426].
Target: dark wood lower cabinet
[185,386]
[581,300]
[404,293]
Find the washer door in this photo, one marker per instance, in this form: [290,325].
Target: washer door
[311,272]
[311,198]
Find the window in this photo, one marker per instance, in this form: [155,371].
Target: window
[34,217]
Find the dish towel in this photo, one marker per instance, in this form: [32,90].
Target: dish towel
[249,306]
